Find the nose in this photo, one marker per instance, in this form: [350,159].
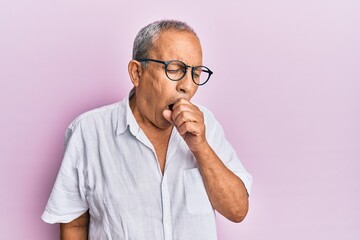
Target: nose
[186,84]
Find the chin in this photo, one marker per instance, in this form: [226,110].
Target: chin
[165,125]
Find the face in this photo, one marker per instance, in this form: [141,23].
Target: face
[154,91]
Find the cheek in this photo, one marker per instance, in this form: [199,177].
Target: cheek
[163,86]
[156,87]
[148,85]
[153,91]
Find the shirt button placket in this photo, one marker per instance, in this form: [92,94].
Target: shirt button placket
[166,209]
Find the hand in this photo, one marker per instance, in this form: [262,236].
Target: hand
[189,121]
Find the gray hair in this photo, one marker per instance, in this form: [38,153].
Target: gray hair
[148,35]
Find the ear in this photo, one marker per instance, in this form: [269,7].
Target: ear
[135,71]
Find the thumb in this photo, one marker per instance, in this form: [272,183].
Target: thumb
[167,115]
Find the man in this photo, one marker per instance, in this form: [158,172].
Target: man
[154,166]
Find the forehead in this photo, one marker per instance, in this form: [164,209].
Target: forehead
[177,45]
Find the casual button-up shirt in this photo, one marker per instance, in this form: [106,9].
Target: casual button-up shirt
[111,169]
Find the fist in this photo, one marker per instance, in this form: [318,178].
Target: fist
[189,122]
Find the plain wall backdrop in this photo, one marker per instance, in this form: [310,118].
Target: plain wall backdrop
[286,88]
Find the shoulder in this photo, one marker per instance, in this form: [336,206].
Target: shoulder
[95,117]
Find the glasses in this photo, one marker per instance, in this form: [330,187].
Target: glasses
[175,70]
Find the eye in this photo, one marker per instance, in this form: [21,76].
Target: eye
[173,70]
[176,66]
[197,72]
[196,75]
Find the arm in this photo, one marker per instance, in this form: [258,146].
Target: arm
[226,191]
[77,229]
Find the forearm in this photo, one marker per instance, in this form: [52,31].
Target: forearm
[76,229]
[226,191]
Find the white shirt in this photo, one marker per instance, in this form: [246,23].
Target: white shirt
[110,167]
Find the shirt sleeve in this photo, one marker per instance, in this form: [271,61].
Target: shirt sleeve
[67,200]
[216,138]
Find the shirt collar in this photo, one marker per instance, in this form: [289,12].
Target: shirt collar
[126,117]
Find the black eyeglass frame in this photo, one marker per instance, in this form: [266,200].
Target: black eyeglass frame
[186,68]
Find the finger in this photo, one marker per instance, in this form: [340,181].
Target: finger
[167,115]
[186,107]
[189,127]
[183,117]
[180,107]
[181,102]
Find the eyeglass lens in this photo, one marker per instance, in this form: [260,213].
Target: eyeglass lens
[176,70]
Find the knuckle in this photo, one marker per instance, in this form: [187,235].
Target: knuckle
[182,100]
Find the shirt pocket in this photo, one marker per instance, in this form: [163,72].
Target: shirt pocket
[197,200]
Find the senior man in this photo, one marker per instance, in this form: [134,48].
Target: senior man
[155,165]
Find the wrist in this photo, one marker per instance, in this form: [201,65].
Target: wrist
[201,149]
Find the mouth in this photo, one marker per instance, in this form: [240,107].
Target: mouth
[171,106]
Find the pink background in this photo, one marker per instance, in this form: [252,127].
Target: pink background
[286,88]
